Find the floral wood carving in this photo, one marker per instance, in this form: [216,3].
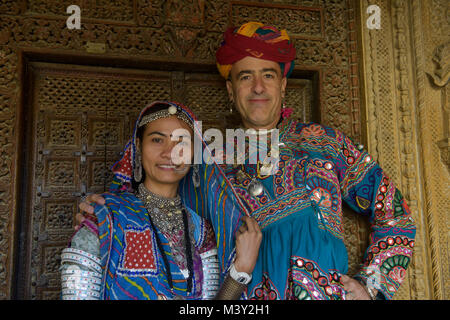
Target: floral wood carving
[440,78]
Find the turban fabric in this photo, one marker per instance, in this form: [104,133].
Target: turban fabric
[253,39]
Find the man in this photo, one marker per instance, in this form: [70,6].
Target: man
[299,205]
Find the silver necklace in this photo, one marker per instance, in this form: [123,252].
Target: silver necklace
[255,186]
[166,212]
[167,215]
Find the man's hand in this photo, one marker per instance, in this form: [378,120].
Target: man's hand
[86,207]
[355,290]
[248,240]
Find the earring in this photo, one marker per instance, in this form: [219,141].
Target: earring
[231,106]
[286,112]
[138,166]
[196,176]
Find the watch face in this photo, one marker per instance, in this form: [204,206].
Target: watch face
[241,280]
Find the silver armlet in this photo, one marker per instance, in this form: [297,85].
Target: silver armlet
[210,265]
[81,275]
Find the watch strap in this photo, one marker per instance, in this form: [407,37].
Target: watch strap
[241,277]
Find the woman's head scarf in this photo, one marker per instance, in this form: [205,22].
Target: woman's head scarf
[124,168]
[214,198]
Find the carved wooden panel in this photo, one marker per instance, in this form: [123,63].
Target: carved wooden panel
[407,107]
[302,22]
[117,10]
[69,106]
[81,123]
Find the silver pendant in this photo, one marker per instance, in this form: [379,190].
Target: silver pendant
[255,188]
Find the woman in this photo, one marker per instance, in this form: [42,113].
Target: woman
[147,243]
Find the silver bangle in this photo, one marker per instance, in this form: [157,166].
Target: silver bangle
[210,266]
[80,286]
[81,293]
[81,273]
[86,280]
[81,258]
[75,297]
[83,254]
[84,262]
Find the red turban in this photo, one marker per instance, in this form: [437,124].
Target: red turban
[255,40]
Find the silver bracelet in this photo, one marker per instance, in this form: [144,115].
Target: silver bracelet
[74,270]
[77,285]
[83,254]
[71,252]
[83,259]
[81,293]
[83,280]
[210,266]
[76,297]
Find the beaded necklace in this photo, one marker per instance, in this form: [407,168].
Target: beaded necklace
[169,216]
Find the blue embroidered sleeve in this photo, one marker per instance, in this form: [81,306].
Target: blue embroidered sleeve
[368,190]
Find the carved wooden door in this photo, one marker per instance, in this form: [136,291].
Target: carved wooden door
[79,121]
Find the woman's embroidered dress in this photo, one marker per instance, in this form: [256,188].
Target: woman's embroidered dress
[133,265]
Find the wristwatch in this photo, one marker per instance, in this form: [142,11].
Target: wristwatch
[241,277]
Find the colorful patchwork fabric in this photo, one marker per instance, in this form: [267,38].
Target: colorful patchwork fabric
[302,254]
[254,39]
[133,266]
[216,201]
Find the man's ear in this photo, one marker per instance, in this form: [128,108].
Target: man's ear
[283,84]
[230,90]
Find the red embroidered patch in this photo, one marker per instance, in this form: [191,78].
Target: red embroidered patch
[139,250]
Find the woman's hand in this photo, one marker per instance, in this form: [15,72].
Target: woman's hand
[248,240]
[86,208]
